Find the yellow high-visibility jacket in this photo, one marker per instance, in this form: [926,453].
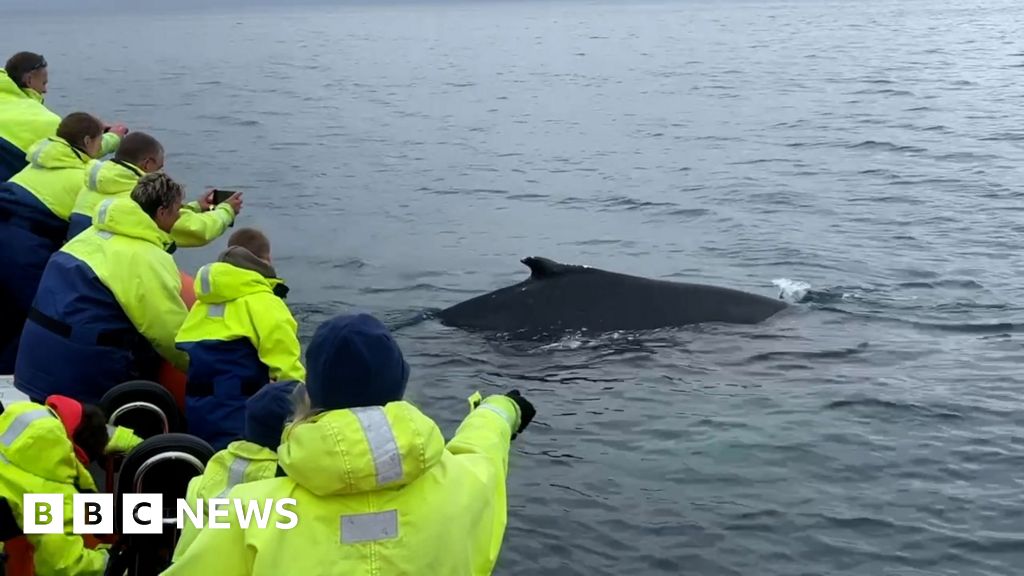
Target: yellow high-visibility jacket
[377,493]
[37,457]
[240,462]
[115,179]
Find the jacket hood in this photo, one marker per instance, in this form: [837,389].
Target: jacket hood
[361,450]
[112,177]
[70,412]
[124,217]
[54,153]
[222,282]
[9,88]
[242,258]
[33,438]
[260,463]
[249,451]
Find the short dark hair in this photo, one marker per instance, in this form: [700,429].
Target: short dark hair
[76,126]
[155,191]
[91,435]
[136,147]
[252,240]
[22,63]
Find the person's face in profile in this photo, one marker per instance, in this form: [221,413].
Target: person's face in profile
[167,216]
[153,163]
[94,145]
[37,80]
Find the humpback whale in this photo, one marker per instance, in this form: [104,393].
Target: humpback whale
[570,298]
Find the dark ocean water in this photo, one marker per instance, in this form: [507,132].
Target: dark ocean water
[404,158]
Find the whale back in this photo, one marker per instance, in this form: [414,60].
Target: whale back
[562,297]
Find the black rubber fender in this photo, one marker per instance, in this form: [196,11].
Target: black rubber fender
[144,424]
[169,477]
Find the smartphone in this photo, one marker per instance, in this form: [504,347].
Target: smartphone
[222,195]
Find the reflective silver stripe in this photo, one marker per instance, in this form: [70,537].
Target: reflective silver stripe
[20,423]
[215,311]
[383,447]
[111,430]
[369,527]
[236,474]
[505,415]
[39,151]
[106,235]
[94,174]
[101,216]
[204,279]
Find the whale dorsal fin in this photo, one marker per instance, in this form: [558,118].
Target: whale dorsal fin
[541,267]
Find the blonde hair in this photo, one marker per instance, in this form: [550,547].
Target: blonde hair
[155,191]
[302,408]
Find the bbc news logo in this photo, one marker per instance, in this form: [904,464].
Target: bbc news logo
[142,513]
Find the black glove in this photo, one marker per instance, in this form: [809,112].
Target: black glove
[526,411]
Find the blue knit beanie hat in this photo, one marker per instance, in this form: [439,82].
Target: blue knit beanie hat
[353,361]
[266,412]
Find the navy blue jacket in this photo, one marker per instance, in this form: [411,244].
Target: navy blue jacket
[29,234]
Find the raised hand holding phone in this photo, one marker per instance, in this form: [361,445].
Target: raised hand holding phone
[221,195]
[234,199]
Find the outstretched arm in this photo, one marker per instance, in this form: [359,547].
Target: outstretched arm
[197,228]
[278,340]
[111,142]
[487,431]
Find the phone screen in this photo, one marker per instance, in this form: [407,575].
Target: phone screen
[222,195]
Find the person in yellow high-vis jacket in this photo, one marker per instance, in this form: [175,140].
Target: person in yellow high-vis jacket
[377,489]
[247,460]
[24,119]
[140,154]
[45,449]
[34,208]
[108,304]
[239,335]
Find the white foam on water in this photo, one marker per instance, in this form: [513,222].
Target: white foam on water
[571,342]
[791,290]
[581,339]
